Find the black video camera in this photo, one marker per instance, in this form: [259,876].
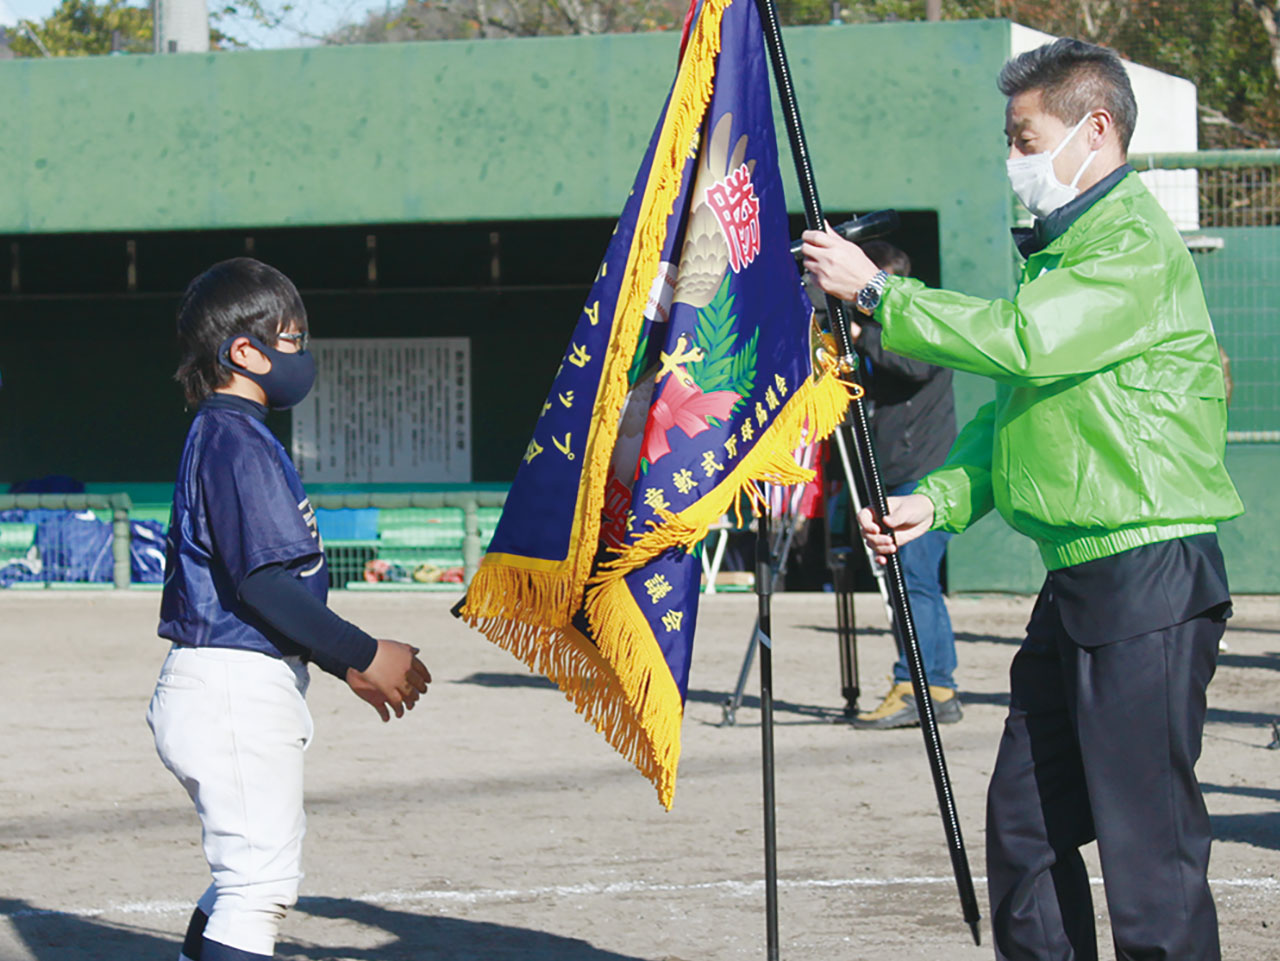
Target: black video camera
[875,224]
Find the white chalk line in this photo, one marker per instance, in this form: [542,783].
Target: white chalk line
[497,895]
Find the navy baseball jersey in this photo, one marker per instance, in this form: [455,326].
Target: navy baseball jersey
[238,505]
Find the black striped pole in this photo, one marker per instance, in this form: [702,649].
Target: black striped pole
[869,473]
[764,637]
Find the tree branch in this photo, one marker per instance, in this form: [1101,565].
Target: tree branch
[1269,14]
[1219,118]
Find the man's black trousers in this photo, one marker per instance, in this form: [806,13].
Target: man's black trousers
[1101,743]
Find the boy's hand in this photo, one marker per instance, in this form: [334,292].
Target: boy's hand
[908,518]
[393,681]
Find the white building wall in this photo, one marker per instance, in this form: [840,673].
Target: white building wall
[182,26]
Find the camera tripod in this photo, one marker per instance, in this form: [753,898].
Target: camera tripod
[840,561]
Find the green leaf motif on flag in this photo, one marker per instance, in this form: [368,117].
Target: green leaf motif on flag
[639,362]
[717,335]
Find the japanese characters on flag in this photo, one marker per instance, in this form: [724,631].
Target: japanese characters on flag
[734,202]
[689,377]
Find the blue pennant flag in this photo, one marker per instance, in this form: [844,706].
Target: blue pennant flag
[692,374]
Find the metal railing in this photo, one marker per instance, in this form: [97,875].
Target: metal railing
[120,506]
[469,501]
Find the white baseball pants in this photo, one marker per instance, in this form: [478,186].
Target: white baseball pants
[232,725]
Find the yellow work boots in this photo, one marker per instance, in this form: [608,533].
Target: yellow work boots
[898,709]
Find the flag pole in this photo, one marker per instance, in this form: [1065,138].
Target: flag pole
[870,475]
[764,635]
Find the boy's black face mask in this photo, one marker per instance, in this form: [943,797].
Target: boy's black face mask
[287,382]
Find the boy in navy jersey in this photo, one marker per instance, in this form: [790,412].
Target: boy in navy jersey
[244,605]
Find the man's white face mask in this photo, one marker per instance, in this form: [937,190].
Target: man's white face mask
[1035,183]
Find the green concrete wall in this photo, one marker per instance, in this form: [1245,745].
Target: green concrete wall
[1251,544]
[178,152]
[1242,288]
[543,128]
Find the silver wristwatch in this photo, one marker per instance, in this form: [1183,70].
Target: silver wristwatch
[869,296]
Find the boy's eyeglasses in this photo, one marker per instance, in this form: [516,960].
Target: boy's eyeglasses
[299,340]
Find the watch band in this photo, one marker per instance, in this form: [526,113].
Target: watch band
[869,296]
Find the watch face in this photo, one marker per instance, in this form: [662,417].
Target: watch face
[869,296]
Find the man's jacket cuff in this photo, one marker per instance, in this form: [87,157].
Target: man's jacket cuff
[959,498]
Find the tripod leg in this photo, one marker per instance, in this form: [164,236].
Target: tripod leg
[713,557]
[780,545]
[855,498]
[734,701]
[846,628]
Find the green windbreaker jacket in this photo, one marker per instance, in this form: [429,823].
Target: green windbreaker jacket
[1109,423]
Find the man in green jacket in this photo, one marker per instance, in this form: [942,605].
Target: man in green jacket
[1105,446]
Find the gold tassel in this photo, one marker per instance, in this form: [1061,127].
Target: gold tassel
[622,685]
[817,408]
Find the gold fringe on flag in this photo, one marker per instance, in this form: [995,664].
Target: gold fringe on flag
[624,635]
[526,605]
[649,731]
[625,638]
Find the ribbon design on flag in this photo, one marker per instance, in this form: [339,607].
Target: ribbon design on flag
[689,377]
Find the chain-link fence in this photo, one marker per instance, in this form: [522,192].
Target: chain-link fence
[1216,188]
[1227,203]
[1243,197]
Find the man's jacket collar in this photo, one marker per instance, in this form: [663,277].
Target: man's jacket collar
[1050,228]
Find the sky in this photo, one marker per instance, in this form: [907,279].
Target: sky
[308,19]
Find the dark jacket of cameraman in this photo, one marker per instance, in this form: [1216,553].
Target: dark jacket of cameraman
[912,409]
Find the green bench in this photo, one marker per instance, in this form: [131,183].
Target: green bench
[412,537]
[16,540]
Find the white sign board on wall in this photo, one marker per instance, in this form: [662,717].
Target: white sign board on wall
[387,411]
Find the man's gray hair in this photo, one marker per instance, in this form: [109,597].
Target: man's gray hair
[1075,77]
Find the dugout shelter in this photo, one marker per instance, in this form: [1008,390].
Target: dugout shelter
[459,190]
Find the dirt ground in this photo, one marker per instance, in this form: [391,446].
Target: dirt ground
[492,823]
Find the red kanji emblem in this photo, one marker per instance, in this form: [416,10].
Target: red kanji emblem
[735,205]
[617,501]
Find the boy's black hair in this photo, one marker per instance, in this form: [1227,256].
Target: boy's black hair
[234,297]
[1075,77]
